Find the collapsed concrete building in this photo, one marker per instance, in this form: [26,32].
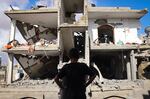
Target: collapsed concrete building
[105,36]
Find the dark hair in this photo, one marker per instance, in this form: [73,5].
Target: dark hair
[74,53]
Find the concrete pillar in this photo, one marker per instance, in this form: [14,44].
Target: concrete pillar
[10,68]
[128,66]
[58,38]
[60,13]
[87,49]
[60,65]
[13,30]
[60,45]
[11,56]
[133,66]
[85,13]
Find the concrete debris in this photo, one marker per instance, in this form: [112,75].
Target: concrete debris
[32,84]
[117,85]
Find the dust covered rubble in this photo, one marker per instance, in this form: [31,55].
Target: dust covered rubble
[32,83]
[117,85]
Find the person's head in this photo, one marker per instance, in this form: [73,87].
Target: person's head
[74,54]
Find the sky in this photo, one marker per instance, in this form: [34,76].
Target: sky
[28,4]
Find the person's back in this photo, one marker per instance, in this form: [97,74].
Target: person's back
[75,78]
[72,78]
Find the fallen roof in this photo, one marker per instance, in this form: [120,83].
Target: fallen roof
[43,17]
[115,12]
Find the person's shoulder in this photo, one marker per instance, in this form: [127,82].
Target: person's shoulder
[65,66]
[83,64]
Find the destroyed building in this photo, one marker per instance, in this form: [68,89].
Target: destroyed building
[105,36]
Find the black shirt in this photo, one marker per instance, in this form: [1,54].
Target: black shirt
[74,76]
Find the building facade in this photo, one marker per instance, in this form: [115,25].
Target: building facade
[107,38]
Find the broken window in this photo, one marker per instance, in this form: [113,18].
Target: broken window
[74,18]
[106,34]
[79,41]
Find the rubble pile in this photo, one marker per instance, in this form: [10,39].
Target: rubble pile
[32,83]
[118,85]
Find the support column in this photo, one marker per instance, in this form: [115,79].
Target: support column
[60,65]
[11,56]
[87,55]
[133,66]
[13,30]
[128,66]
[10,68]
[60,49]
[87,49]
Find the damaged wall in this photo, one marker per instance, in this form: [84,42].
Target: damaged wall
[125,30]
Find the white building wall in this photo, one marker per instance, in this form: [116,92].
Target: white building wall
[119,35]
[93,31]
[125,32]
[131,30]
